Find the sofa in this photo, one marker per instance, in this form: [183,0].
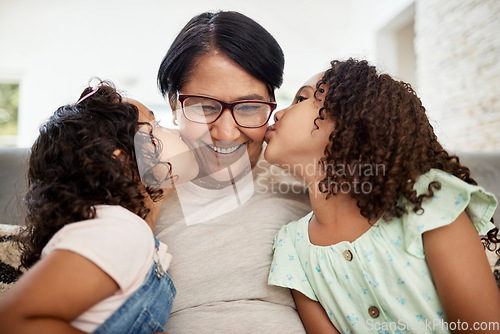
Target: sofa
[13,168]
[485,169]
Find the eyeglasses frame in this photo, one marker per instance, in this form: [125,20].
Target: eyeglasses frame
[228,106]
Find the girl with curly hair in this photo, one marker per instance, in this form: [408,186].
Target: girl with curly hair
[392,244]
[97,174]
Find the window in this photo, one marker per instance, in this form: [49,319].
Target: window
[9,101]
[395,46]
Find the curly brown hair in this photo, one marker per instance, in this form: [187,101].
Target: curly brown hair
[72,167]
[381,132]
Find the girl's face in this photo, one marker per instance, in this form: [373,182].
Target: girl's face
[173,150]
[223,143]
[294,142]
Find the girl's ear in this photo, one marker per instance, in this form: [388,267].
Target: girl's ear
[118,154]
[125,159]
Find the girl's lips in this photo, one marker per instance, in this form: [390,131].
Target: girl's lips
[270,129]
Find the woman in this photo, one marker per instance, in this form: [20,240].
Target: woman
[219,76]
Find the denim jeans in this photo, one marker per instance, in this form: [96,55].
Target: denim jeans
[147,310]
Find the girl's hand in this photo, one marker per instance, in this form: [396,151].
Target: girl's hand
[53,293]
[462,274]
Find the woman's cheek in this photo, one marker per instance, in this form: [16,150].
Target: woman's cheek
[194,134]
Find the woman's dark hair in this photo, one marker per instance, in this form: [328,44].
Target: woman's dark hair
[235,35]
[73,166]
[382,138]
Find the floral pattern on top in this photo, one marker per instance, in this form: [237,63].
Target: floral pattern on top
[384,285]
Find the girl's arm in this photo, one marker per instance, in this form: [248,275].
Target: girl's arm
[54,292]
[313,315]
[462,275]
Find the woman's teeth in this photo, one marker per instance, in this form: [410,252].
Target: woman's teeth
[224,150]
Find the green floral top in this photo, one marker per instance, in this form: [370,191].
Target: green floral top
[380,283]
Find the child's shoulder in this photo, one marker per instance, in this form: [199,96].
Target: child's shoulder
[453,194]
[448,182]
[453,197]
[113,225]
[116,222]
[298,224]
[118,215]
[294,228]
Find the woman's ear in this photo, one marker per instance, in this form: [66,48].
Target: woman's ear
[172,100]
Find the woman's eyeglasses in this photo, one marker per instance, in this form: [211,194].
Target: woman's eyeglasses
[206,110]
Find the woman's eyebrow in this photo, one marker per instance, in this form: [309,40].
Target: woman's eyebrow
[251,97]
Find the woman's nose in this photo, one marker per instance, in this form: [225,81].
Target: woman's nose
[225,128]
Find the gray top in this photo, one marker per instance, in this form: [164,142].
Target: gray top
[220,266]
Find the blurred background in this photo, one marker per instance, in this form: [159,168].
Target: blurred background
[448,50]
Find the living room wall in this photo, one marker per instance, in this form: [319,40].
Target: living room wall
[458,70]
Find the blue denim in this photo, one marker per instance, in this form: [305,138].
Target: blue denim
[147,310]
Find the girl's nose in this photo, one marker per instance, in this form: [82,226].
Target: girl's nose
[278,115]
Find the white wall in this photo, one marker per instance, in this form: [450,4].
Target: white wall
[458,69]
[53,47]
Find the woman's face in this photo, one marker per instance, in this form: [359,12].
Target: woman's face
[223,143]
[294,142]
